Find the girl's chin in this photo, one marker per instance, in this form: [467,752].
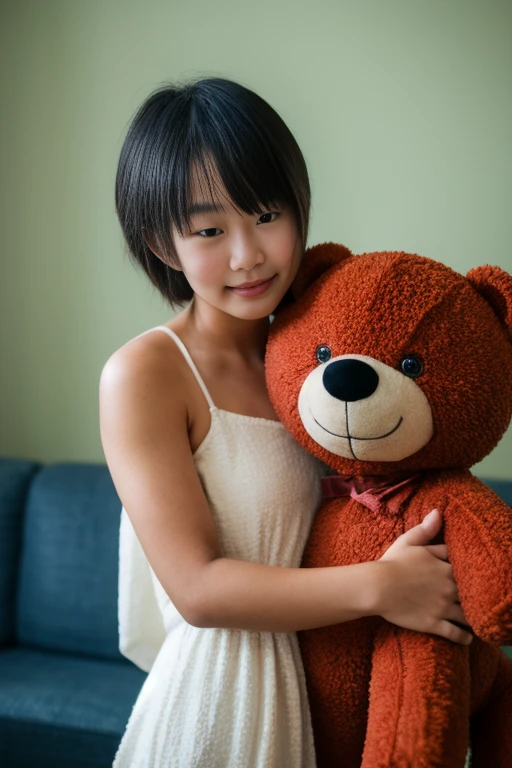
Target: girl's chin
[251,314]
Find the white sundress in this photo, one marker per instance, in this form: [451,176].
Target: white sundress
[223,698]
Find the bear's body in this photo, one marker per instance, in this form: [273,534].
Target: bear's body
[424,689]
[392,368]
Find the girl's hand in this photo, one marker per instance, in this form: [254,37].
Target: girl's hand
[419,591]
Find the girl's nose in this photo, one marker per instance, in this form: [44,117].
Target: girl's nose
[246,253]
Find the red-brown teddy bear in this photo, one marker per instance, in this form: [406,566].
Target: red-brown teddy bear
[396,372]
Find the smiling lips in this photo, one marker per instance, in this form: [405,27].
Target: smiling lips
[353,437]
[252,289]
[350,437]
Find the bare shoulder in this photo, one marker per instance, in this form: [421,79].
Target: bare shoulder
[147,366]
[144,411]
[149,359]
[143,385]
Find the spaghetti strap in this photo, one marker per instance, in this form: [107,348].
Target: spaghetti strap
[263,491]
[187,357]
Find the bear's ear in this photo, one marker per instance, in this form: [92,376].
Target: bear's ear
[495,285]
[315,262]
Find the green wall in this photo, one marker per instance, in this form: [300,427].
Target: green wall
[403,110]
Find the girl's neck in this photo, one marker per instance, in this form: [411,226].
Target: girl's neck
[208,326]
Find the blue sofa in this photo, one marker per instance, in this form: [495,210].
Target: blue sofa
[65,690]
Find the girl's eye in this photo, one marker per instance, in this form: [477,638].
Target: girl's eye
[271,213]
[210,232]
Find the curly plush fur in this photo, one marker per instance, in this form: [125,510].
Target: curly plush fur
[390,366]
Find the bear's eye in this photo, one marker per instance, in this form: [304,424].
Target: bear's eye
[323,353]
[411,366]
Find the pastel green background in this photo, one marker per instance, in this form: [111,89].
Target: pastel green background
[403,109]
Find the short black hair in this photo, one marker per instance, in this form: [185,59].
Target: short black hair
[217,125]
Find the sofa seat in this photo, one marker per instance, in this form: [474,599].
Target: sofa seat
[66,692]
[75,714]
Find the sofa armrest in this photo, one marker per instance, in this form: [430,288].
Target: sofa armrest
[15,478]
[504,490]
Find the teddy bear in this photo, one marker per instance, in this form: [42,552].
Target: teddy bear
[396,372]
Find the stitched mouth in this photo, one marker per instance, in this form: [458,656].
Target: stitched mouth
[350,437]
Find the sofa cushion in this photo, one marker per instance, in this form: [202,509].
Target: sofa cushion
[15,477]
[67,596]
[58,711]
[502,487]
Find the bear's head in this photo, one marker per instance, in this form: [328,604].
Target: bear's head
[389,361]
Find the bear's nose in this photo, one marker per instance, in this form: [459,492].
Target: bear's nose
[350,380]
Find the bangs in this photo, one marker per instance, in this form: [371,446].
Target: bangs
[214,134]
[232,150]
[247,192]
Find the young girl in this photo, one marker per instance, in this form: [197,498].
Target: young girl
[213,197]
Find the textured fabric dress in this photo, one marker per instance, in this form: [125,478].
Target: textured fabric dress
[223,698]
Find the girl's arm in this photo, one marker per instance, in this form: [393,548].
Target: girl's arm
[144,421]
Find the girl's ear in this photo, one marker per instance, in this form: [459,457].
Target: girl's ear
[315,262]
[158,250]
[495,285]
[154,246]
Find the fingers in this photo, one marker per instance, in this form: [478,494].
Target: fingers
[422,533]
[451,592]
[455,613]
[439,550]
[453,633]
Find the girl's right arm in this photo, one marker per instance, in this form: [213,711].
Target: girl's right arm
[144,420]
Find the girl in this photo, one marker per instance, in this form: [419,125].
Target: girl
[213,197]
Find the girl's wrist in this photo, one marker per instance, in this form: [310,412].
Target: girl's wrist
[364,588]
[375,588]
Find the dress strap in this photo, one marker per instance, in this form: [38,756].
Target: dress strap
[187,357]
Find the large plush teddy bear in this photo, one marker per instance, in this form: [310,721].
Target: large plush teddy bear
[396,372]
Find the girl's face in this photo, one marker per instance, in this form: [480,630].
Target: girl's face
[239,263]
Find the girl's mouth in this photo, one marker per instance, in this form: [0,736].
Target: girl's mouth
[247,290]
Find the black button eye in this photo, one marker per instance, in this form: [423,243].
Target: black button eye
[411,366]
[323,353]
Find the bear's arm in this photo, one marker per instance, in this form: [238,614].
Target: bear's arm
[478,535]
